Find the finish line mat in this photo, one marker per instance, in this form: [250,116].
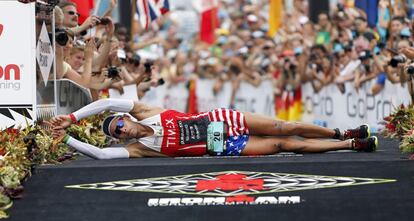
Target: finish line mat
[331,186]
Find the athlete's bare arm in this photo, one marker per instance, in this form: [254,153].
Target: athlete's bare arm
[138,149]
[141,111]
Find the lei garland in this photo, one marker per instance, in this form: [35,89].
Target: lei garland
[400,124]
[23,149]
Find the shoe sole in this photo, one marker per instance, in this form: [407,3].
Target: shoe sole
[368,130]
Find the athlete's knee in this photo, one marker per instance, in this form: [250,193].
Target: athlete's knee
[288,128]
[291,145]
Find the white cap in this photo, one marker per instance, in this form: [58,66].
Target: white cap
[252,18]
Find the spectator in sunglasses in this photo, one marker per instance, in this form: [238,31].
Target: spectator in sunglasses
[71,18]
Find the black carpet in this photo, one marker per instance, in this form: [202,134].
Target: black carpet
[47,198]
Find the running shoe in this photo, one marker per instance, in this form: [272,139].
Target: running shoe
[367,145]
[360,132]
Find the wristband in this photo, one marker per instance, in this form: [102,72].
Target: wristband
[66,139]
[73,118]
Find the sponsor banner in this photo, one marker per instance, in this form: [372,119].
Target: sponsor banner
[17,57]
[332,109]
[207,100]
[17,63]
[176,97]
[168,96]
[255,99]
[130,92]
[248,98]
[155,96]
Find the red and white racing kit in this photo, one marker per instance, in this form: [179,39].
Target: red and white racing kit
[179,134]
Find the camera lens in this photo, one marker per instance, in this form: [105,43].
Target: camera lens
[396,60]
[148,66]
[410,69]
[104,21]
[61,37]
[113,72]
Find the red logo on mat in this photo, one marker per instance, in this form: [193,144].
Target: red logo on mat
[1,29]
[230,182]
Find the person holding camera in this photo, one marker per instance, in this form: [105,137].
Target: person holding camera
[394,68]
[65,70]
[71,18]
[156,132]
[366,71]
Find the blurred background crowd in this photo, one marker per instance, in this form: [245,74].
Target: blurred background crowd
[284,42]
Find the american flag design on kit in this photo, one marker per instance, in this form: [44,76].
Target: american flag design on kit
[234,119]
[237,130]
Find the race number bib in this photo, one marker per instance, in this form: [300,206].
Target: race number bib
[215,138]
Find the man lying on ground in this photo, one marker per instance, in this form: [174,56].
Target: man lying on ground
[156,132]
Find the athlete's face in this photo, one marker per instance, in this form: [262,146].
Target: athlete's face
[124,128]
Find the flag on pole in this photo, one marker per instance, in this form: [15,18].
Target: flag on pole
[149,10]
[209,19]
[275,16]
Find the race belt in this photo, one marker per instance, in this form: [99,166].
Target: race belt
[216,138]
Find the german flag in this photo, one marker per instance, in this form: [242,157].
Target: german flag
[289,105]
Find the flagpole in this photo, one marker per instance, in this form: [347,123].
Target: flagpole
[133,11]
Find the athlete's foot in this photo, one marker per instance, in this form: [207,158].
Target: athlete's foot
[367,145]
[360,132]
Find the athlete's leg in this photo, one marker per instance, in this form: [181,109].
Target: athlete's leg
[271,145]
[267,126]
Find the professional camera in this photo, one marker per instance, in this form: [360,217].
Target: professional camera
[148,65]
[396,60]
[364,55]
[104,21]
[61,36]
[265,64]
[313,66]
[234,69]
[135,60]
[410,69]
[113,72]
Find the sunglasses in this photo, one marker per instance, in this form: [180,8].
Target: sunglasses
[119,125]
[73,13]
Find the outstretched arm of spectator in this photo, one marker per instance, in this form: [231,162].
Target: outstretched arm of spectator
[390,74]
[252,78]
[140,45]
[60,72]
[100,60]
[90,22]
[111,7]
[408,52]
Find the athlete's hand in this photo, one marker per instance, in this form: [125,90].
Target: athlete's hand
[58,134]
[61,122]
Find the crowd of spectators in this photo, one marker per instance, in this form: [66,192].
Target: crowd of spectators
[339,47]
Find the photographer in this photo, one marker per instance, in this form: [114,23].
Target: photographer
[394,68]
[71,18]
[366,71]
[407,71]
[323,74]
